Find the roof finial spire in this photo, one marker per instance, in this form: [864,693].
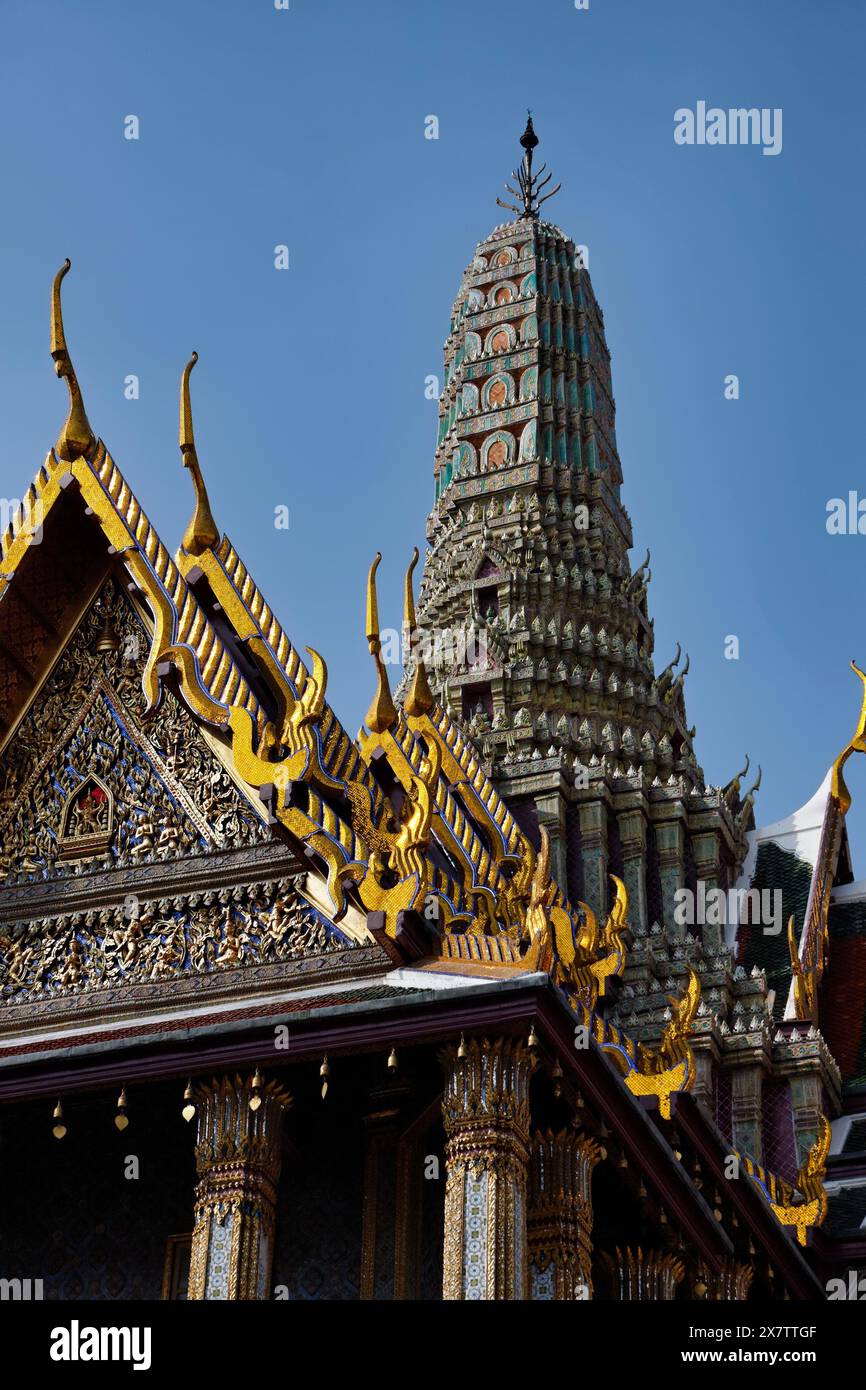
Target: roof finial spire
[529,185]
[381,715]
[76,439]
[419,697]
[201,533]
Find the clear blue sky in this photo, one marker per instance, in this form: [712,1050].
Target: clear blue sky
[306,127]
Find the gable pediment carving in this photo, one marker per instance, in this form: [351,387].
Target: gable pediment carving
[132,866]
[90,782]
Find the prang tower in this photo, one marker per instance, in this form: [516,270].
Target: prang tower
[538,634]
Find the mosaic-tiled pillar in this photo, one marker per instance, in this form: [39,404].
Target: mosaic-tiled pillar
[560,1215]
[703,1088]
[746,1110]
[808,1106]
[645,1276]
[593,839]
[633,838]
[551,814]
[706,849]
[670,843]
[238,1162]
[485,1108]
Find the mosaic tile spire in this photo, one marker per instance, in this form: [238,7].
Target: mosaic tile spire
[538,632]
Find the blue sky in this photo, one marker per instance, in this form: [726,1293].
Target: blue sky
[306,128]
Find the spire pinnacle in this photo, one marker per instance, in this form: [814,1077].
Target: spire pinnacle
[201,533]
[529,185]
[382,714]
[76,439]
[419,697]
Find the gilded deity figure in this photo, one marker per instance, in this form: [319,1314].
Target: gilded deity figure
[127,943]
[29,862]
[144,841]
[18,957]
[277,923]
[74,971]
[170,952]
[89,812]
[236,944]
[10,791]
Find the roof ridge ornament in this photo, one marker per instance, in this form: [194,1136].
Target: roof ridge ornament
[76,439]
[419,697]
[529,185]
[382,714]
[202,532]
[857,744]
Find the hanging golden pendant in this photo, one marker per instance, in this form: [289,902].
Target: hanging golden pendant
[121,1119]
[59,1128]
[189,1107]
[255,1099]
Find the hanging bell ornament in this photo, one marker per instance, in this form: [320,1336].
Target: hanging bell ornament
[532,1040]
[392,1059]
[462,1049]
[59,1128]
[325,1072]
[556,1076]
[121,1119]
[189,1107]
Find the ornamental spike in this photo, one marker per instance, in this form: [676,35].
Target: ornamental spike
[201,533]
[382,714]
[529,184]
[419,698]
[76,439]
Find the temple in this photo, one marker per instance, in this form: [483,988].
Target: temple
[497,1000]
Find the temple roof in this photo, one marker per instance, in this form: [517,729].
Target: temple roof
[402,828]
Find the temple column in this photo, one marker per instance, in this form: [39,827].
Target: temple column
[632,834]
[551,814]
[485,1109]
[746,1110]
[238,1162]
[593,840]
[706,849]
[670,842]
[560,1215]
[706,1060]
[807,1104]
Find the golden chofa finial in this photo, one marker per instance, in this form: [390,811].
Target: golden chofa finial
[201,533]
[381,715]
[857,745]
[419,697]
[76,439]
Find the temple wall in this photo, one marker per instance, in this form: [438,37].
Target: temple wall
[70,1217]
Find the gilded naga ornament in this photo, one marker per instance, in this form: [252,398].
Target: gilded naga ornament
[76,439]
